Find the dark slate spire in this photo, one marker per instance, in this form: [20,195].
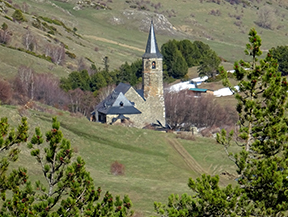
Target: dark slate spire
[152,50]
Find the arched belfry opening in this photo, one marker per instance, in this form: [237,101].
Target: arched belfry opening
[153,65]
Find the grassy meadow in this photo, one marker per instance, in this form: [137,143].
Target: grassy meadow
[153,168]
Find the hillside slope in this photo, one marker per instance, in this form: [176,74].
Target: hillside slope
[153,167]
[118,29]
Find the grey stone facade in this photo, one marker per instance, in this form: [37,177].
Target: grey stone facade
[150,99]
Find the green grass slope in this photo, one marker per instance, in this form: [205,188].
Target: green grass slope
[119,31]
[153,168]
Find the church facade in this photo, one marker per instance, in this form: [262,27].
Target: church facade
[140,107]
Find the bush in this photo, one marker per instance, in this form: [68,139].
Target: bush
[8,18]
[71,55]
[18,16]
[117,168]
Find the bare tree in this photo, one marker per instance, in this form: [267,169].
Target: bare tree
[24,83]
[57,53]
[81,101]
[184,109]
[75,99]
[266,18]
[104,92]
[29,41]
[5,36]
[5,91]
[82,65]
[48,91]
[48,50]
[25,7]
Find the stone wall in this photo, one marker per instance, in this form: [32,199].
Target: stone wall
[153,106]
[151,109]
[152,78]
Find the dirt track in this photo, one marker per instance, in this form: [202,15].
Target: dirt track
[113,42]
[189,160]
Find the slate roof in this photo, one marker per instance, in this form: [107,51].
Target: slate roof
[152,50]
[117,103]
[141,93]
[122,88]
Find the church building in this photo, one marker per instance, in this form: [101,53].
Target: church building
[140,107]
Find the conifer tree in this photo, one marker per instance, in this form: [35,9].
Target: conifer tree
[262,102]
[14,182]
[67,189]
[262,188]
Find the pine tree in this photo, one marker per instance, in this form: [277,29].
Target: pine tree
[262,102]
[209,64]
[14,182]
[68,189]
[262,188]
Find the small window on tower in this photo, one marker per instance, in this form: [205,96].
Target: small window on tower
[153,65]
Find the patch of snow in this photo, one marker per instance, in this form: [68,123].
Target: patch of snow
[181,86]
[224,92]
[231,71]
[200,79]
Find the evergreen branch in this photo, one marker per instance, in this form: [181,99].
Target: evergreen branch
[60,175]
[230,157]
[79,197]
[43,168]
[52,173]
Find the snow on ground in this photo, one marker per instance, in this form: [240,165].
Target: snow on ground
[181,86]
[224,91]
[187,84]
[200,79]
[191,84]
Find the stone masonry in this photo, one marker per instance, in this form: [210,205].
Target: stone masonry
[150,99]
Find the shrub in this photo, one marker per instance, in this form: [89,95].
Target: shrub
[8,18]
[4,26]
[117,168]
[18,16]
[71,55]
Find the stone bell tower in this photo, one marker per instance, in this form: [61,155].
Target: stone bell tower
[152,78]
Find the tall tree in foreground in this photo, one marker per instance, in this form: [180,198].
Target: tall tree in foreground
[67,189]
[262,164]
[262,103]
[15,182]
